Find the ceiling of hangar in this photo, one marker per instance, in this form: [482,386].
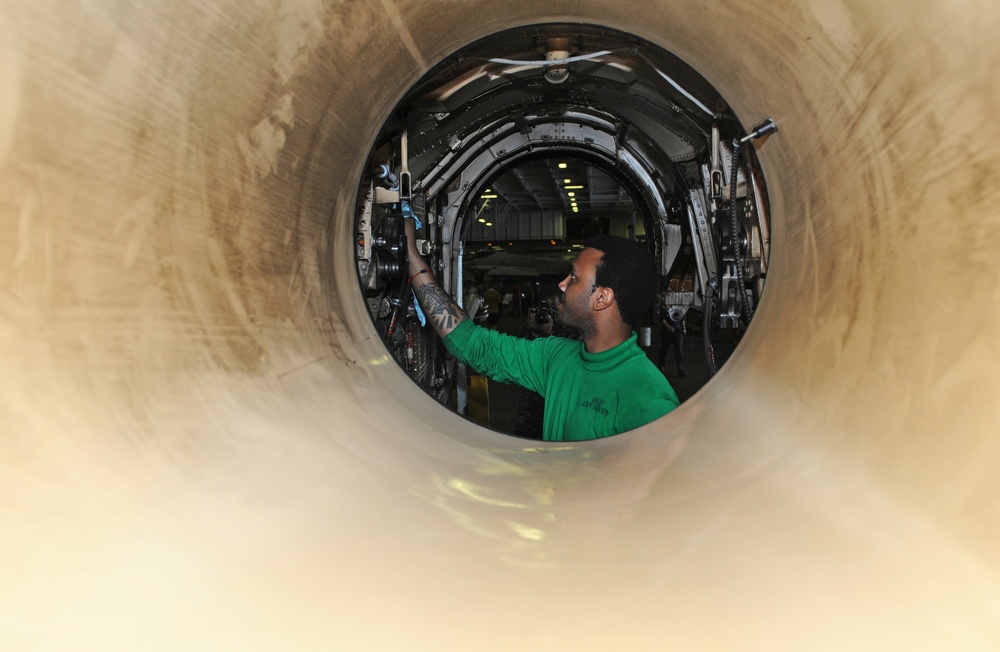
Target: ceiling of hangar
[540,185]
[646,99]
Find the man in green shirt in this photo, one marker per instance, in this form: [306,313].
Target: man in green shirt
[599,387]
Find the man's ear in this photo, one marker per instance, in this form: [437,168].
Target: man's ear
[604,298]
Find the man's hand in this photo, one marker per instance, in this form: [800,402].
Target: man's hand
[411,244]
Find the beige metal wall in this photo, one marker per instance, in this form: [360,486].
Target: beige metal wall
[204,446]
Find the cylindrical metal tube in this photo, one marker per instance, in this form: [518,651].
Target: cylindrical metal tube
[204,445]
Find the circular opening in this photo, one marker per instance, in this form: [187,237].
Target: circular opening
[512,152]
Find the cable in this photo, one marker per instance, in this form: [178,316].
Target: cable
[733,235]
[706,329]
[550,62]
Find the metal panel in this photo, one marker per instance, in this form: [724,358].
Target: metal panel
[518,227]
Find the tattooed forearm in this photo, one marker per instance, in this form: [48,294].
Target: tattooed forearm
[442,311]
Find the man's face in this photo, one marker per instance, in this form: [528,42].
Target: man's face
[574,304]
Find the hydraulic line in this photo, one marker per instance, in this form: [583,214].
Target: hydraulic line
[733,234]
[706,328]
[398,306]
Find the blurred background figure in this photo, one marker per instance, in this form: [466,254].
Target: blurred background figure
[491,297]
[672,331]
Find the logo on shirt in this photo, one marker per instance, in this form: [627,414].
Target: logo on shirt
[597,405]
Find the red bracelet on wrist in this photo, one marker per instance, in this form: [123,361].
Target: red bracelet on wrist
[416,275]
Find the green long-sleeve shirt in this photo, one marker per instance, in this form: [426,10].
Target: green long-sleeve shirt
[587,395]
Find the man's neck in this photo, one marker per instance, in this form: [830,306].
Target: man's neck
[606,339]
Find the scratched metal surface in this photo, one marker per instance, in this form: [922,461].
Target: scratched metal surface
[203,446]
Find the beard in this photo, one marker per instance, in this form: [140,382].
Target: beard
[576,315]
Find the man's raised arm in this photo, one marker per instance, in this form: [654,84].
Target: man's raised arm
[441,309]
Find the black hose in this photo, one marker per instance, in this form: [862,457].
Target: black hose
[401,301]
[734,233]
[398,307]
[706,329]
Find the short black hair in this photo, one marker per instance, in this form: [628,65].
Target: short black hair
[628,269]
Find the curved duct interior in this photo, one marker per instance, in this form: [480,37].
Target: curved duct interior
[205,444]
